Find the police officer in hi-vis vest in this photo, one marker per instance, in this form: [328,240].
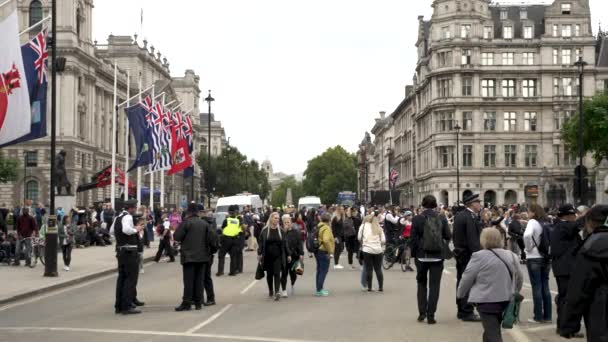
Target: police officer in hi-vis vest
[232,228]
[127,240]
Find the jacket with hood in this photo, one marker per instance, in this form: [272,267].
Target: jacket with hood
[588,289]
[295,246]
[327,243]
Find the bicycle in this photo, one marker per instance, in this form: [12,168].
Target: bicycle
[395,252]
[37,251]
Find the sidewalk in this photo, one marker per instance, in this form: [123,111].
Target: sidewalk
[87,263]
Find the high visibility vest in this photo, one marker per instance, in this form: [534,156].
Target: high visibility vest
[233,227]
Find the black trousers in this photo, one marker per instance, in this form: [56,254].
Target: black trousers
[66,252]
[230,245]
[273,268]
[208,281]
[289,271]
[560,299]
[522,247]
[193,282]
[352,247]
[239,254]
[464,308]
[165,245]
[428,278]
[491,326]
[373,263]
[126,283]
[338,250]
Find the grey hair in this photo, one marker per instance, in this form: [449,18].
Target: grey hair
[326,217]
[286,216]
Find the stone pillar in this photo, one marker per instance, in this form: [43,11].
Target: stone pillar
[601,186]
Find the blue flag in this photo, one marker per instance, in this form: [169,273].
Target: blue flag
[138,122]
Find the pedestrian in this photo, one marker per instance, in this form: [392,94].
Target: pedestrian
[406,222]
[232,227]
[516,232]
[467,230]
[490,279]
[327,245]
[26,229]
[248,219]
[539,265]
[127,254]
[273,255]
[312,222]
[175,219]
[350,236]
[66,231]
[430,233]
[295,250]
[213,240]
[373,240]
[164,235]
[193,235]
[565,240]
[588,286]
[337,229]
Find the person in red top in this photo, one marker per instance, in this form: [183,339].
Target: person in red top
[300,222]
[26,227]
[406,222]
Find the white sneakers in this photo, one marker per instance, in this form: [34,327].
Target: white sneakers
[66,268]
[338,267]
[284,294]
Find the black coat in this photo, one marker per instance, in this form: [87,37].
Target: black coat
[565,239]
[467,229]
[295,246]
[588,289]
[285,252]
[194,236]
[337,228]
[417,236]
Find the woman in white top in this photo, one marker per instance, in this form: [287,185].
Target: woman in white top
[372,240]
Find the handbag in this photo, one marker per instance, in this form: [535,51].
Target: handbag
[298,267]
[510,315]
[446,252]
[259,272]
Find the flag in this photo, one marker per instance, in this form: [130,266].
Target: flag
[141,134]
[103,178]
[35,56]
[393,178]
[180,154]
[15,113]
[189,172]
[160,135]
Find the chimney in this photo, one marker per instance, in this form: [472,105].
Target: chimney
[382,115]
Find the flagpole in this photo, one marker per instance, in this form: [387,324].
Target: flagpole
[162,172]
[136,96]
[139,168]
[152,169]
[114,121]
[127,138]
[34,26]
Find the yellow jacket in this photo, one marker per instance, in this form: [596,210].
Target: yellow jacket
[327,243]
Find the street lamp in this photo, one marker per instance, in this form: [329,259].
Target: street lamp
[389,151]
[246,166]
[227,166]
[457,128]
[209,99]
[580,64]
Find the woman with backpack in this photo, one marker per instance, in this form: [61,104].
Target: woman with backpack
[337,229]
[350,236]
[324,246]
[273,255]
[538,263]
[372,240]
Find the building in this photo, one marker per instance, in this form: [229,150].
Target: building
[85,106]
[218,135]
[500,80]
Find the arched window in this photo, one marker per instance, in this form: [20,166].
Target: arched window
[35,15]
[31,190]
[489,198]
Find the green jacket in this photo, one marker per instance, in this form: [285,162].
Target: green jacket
[326,239]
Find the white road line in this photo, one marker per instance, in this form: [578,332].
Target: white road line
[249,287]
[209,320]
[154,333]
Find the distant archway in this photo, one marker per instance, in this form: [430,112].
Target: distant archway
[445,198]
[489,198]
[510,197]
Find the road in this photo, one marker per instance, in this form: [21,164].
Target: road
[244,313]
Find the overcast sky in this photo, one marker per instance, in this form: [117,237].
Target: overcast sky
[290,78]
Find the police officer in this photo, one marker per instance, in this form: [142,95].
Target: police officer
[127,240]
[232,228]
[467,230]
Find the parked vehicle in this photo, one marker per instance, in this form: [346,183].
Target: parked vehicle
[242,200]
[309,202]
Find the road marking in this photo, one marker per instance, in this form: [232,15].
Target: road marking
[209,320]
[155,333]
[249,287]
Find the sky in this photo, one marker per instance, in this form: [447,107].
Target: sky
[290,78]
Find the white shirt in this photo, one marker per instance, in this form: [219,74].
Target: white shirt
[391,218]
[127,225]
[533,230]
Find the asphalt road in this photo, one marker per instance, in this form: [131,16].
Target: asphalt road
[244,312]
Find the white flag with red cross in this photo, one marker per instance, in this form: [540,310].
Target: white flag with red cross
[15,109]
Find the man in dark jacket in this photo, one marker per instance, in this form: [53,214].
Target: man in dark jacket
[588,286]
[193,235]
[467,230]
[26,227]
[429,264]
[213,247]
[565,239]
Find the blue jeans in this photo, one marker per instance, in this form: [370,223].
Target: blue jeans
[322,268]
[539,270]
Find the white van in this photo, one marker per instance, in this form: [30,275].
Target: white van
[242,200]
[309,202]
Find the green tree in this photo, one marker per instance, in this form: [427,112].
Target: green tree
[595,128]
[279,195]
[333,171]
[8,169]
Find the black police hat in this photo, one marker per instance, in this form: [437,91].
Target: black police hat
[192,208]
[471,199]
[233,208]
[566,209]
[130,204]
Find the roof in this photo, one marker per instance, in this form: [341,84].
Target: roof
[602,58]
[536,14]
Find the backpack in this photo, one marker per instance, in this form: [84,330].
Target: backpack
[349,227]
[312,240]
[544,245]
[212,240]
[433,235]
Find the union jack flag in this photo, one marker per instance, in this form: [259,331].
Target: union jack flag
[179,125]
[39,45]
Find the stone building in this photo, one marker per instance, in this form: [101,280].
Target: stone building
[501,79]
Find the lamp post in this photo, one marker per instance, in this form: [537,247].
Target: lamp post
[457,128]
[227,167]
[580,64]
[390,192]
[209,99]
[246,166]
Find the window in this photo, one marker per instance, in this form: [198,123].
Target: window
[445,86]
[467,86]
[467,155]
[528,88]
[487,58]
[466,57]
[489,156]
[488,32]
[555,30]
[556,86]
[560,119]
[445,32]
[488,88]
[507,58]
[510,156]
[556,155]
[465,31]
[531,155]
[528,58]
[508,88]
[31,191]
[566,7]
[567,30]
[504,15]
[446,121]
[445,58]
[507,32]
[467,121]
[567,86]
[35,15]
[510,122]
[578,54]
[577,30]
[530,121]
[555,56]
[31,158]
[523,13]
[527,32]
[489,121]
[569,159]
[446,156]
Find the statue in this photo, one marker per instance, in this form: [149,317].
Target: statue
[60,175]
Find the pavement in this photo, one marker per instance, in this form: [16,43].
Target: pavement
[245,313]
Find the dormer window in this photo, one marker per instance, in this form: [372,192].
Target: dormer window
[523,13]
[504,15]
[566,8]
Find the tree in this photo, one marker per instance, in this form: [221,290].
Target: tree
[595,128]
[279,195]
[8,169]
[333,171]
